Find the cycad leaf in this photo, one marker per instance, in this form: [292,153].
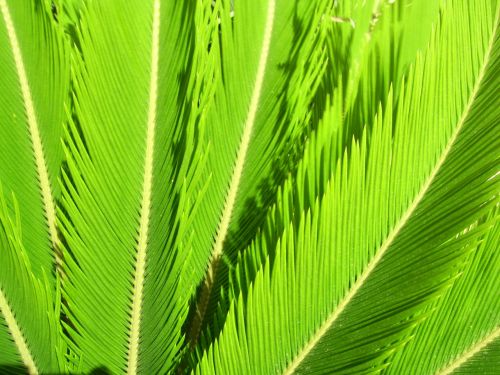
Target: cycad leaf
[465,325]
[67,11]
[483,361]
[29,322]
[271,59]
[386,37]
[369,48]
[33,88]
[128,197]
[338,297]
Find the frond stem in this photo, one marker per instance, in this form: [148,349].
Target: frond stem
[16,333]
[464,357]
[140,266]
[33,127]
[223,227]
[379,253]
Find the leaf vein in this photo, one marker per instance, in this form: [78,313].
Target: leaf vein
[17,335]
[379,253]
[140,266]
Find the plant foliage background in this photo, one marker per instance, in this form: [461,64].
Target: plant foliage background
[249,187]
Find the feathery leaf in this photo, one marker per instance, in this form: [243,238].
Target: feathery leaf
[128,198]
[33,89]
[337,298]
[466,319]
[29,321]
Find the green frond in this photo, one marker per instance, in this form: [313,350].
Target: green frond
[382,48]
[465,323]
[30,338]
[272,58]
[485,361]
[353,278]
[369,48]
[300,193]
[249,186]
[33,89]
[130,191]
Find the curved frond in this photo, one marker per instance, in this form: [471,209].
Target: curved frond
[352,279]
[129,194]
[29,321]
[33,89]
[272,59]
[482,359]
[466,320]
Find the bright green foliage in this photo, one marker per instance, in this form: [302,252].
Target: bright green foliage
[257,120]
[338,288]
[249,187]
[45,59]
[30,300]
[106,210]
[460,321]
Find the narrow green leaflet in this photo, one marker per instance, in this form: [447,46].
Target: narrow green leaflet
[33,88]
[384,39]
[271,59]
[30,338]
[370,46]
[352,279]
[68,13]
[466,322]
[299,194]
[129,193]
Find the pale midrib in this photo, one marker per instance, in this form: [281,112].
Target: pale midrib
[230,200]
[379,253]
[48,201]
[140,266]
[17,335]
[464,357]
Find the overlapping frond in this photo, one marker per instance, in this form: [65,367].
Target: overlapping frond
[249,187]
[67,13]
[30,339]
[300,193]
[382,41]
[130,189]
[465,323]
[33,88]
[272,59]
[353,276]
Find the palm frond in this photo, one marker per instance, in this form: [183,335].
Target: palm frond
[130,190]
[33,89]
[68,13]
[29,320]
[360,267]
[468,313]
[370,46]
[272,59]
